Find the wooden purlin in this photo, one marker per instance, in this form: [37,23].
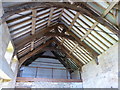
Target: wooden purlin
[24,79]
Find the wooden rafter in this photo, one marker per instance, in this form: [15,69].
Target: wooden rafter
[24,58]
[74,20]
[92,53]
[96,23]
[32,58]
[80,64]
[61,13]
[34,12]
[50,16]
[72,23]
[76,45]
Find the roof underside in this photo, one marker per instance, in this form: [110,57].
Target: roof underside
[76,38]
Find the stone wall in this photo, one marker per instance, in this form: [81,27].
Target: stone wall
[48,85]
[104,75]
[10,83]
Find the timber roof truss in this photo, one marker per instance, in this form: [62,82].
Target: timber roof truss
[77,33]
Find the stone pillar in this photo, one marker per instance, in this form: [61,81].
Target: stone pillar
[5,70]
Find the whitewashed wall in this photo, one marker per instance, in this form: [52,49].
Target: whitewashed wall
[76,75]
[104,75]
